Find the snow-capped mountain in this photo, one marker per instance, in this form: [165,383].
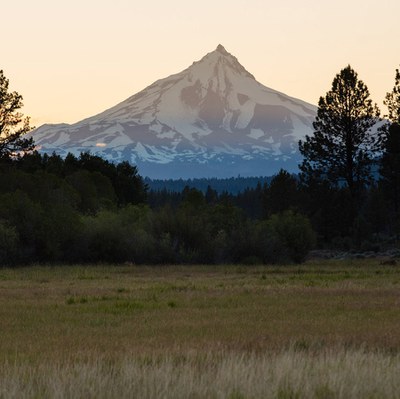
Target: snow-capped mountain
[211,120]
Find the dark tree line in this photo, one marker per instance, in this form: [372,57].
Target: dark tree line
[86,209]
[44,201]
[232,185]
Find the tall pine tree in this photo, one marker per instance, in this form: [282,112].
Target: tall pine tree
[343,145]
[392,101]
[390,161]
[281,194]
[389,171]
[12,125]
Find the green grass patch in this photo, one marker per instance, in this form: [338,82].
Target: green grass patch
[46,309]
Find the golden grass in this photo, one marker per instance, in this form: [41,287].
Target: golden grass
[320,330]
[287,374]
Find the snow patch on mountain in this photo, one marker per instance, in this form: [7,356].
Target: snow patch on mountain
[213,114]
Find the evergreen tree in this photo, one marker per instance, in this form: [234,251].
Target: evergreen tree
[281,194]
[390,170]
[71,164]
[129,185]
[390,161]
[392,101]
[211,195]
[12,125]
[343,146]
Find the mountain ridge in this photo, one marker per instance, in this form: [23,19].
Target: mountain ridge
[213,119]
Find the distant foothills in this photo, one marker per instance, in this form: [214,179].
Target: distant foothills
[231,185]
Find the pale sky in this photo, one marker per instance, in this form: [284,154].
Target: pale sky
[73,59]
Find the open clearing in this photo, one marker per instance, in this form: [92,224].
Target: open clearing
[323,329]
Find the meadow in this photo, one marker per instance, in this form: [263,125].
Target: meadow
[326,329]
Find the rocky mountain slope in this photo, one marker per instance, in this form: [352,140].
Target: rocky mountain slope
[211,120]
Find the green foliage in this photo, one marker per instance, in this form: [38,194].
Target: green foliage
[294,234]
[99,183]
[389,167]
[288,393]
[129,187]
[331,211]
[192,198]
[83,210]
[95,190]
[390,172]
[117,236]
[69,210]
[9,244]
[58,233]
[45,200]
[184,234]
[20,212]
[282,193]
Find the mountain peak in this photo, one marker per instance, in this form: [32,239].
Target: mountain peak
[222,57]
[221,49]
[211,119]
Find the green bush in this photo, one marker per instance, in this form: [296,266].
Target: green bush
[294,233]
[58,233]
[9,244]
[118,236]
[271,247]
[18,210]
[183,235]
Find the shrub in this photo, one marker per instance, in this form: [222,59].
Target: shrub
[118,236]
[9,243]
[18,210]
[294,232]
[182,236]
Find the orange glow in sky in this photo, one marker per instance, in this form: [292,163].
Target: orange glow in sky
[73,59]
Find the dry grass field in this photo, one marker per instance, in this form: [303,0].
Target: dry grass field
[320,330]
